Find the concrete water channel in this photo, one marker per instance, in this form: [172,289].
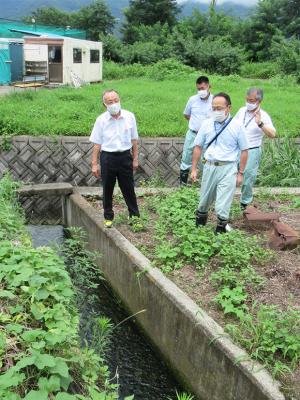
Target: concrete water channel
[132,362]
[192,344]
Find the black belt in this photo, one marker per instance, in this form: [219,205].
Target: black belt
[193,131]
[116,152]
[256,147]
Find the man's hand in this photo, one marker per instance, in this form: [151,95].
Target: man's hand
[194,174]
[239,179]
[135,164]
[96,170]
[258,117]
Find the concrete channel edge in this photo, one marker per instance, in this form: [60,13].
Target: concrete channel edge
[193,344]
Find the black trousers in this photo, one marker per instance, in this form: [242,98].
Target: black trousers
[118,165]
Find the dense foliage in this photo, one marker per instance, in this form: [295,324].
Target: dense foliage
[152,31]
[145,12]
[39,343]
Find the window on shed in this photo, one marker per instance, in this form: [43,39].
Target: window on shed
[77,56]
[94,56]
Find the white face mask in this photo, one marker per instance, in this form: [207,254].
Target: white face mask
[114,108]
[203,93]
[251,106]
[219,116]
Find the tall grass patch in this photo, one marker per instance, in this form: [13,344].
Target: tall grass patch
[158,104]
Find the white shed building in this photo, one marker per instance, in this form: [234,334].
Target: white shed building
[63,59]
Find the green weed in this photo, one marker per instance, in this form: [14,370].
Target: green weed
[271,335]
[280,164]
[39,339]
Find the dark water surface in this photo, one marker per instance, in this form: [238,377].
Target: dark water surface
[132,361]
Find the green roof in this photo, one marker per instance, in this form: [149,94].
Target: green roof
[7,25]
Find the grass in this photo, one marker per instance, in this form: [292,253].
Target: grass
[158,105]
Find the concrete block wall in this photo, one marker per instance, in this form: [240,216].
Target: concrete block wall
[68,159]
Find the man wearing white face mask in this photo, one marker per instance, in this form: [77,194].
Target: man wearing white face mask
[198,109]
[221,139]
[115,138]
[257,124]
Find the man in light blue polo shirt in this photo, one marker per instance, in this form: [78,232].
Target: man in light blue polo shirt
[221,138]
[198,109]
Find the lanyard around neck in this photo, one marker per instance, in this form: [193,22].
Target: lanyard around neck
[248,122]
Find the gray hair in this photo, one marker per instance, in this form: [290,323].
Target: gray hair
[109,91]
[259,94]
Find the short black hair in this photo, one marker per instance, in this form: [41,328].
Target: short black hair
[202,79]
[225,96]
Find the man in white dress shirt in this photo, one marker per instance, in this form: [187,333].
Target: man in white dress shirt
[221,139]
[257,124]
[197,109]
[115,139]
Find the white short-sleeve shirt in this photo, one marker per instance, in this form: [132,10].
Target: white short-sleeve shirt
[227,146]
[253,132]
[198,110]
[115,134]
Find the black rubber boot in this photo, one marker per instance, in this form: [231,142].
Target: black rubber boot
[243,206]
[201,218]
[221,226]
[184,176]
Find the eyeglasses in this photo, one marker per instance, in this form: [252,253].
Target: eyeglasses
[219,108]
[110,102]
[252,101]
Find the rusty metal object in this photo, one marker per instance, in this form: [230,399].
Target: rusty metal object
[283,237]
[255,215]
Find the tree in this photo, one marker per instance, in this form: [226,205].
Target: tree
[290,24]
[148,12]
[49,16]
[260,29]
[94,19]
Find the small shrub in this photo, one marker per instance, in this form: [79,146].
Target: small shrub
[262,70]
[216,56]
[142,52]
[112,70]
[168,69]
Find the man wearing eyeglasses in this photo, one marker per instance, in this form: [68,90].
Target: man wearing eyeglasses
[221,139]
[257,124]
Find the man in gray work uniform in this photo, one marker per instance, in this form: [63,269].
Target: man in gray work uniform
[221,139]
[198,109]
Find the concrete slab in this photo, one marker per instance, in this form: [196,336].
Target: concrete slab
[46,189]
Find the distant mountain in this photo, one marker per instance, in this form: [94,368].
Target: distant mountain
[15,9]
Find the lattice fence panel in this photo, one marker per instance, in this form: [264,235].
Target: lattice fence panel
[68,159]
[40,210]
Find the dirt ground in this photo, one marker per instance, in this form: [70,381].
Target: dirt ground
[282,273]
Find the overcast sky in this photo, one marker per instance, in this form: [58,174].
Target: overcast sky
[241,2]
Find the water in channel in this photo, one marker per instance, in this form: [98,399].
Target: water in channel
[133,363]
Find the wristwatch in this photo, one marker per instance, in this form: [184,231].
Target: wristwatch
[261,124]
